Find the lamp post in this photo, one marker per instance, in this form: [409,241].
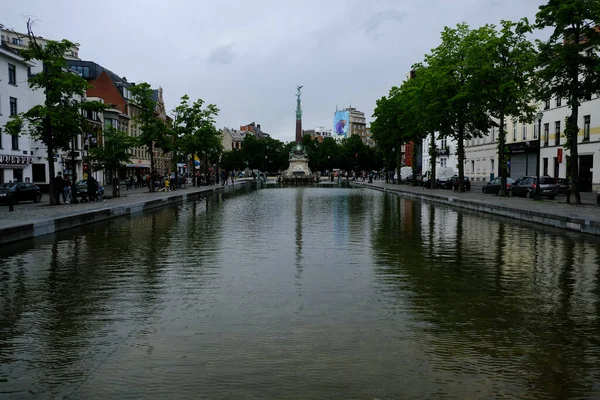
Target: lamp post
[538,117]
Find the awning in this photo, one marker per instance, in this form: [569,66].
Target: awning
[137,166]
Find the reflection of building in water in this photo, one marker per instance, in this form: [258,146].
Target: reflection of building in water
[340,219]
[438,224]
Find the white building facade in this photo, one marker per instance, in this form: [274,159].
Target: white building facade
[446,150]
[16,157]
[555,158]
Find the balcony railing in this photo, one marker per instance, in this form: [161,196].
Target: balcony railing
[442,152]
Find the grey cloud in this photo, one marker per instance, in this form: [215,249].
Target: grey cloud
[343,51]
[222,55]
[380,17]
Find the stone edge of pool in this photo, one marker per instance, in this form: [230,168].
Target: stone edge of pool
[582,225]
[49,225]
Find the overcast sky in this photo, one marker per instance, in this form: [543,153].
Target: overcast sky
[248,56]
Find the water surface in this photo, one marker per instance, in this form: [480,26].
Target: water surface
[305,293]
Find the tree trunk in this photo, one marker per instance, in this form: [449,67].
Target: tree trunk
[572,131]
[74,174]
[502,170]
[51,172]
[152,170]
[461,158]
[415,159]
[433,155]
[114,181]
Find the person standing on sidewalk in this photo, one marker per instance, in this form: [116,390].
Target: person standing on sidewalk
[232,176]
[92,186]
[67,190]
[59,185]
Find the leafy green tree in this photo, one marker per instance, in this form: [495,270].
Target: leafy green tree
[233,160]
[155,134]
[567,69]
[60,116]
[329,154]
[194,131]
[451,68]
[505,70]
[113,153]
[386,130]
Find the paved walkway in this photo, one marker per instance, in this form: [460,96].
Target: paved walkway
[588,211]
[25,212]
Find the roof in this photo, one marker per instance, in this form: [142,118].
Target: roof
[12,53]
[96,69]
[237,135]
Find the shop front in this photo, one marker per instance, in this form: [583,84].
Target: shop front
[523,159]
[15,168]
[137,168]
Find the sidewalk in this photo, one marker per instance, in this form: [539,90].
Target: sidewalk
[31,220]
[556,213]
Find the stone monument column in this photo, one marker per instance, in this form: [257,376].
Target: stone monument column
[298,117]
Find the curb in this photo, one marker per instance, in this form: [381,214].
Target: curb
[50,225]
[581,225]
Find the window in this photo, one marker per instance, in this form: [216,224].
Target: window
[586,127]
[514,131]
[493,135]
[81,70]
[545,173]
[535,130]
[444,143]
[492,166]
[557,133]
[14,142]
[13,106]
[547,104]
[472,166]
[546,133]
[558,101]
[443,162]
[524,132]
[12,74]
[17,41]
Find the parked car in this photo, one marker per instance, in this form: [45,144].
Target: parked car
[493,186]
[525,187]
[454,183]
[563,185]
[82,190]
[16,192]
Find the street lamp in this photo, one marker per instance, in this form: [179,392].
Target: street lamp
[538,117]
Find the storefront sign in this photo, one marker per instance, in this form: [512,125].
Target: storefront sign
[15,161]
[523,147]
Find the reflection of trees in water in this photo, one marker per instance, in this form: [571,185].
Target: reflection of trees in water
[488,306]
[71,290]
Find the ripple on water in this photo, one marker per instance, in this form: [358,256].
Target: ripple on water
[301,293]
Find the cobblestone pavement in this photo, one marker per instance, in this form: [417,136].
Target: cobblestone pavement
[24,212]
[588,210]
